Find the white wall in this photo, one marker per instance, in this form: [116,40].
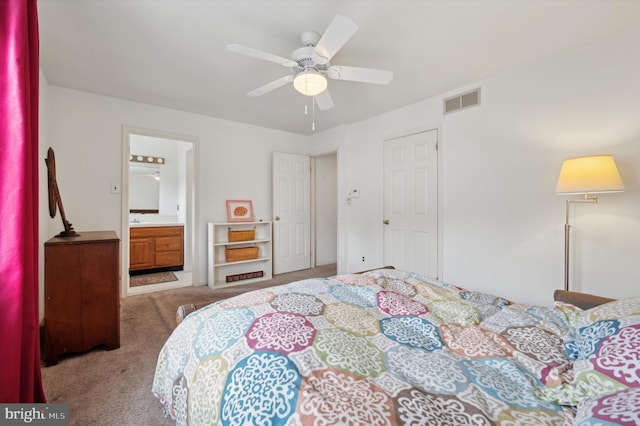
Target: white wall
[86,133]
[502,224]
[359,148]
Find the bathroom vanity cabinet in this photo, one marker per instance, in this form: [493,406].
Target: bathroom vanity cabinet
[154,247]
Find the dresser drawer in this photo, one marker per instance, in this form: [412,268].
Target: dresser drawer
[169,258]
[158,231]
[168,243]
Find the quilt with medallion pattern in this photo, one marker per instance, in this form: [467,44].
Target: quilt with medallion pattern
[388,347]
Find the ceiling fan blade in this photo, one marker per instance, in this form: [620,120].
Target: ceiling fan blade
[335,36]
[324,100]
[361,75]
[255,53]
[271,86]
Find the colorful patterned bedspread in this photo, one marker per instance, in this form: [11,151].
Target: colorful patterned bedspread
[384,348]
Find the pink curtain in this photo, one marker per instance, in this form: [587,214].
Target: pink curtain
[20,376]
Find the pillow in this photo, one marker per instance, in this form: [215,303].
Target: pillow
[615,310]
[605,349]
[617,408]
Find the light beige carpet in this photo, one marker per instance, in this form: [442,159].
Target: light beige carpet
[114,387]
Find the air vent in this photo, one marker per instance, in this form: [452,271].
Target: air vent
[462,101]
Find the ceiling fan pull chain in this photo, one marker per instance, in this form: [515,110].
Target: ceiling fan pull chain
[313,113]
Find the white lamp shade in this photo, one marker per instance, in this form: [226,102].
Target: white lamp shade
[593,174]
[310,83]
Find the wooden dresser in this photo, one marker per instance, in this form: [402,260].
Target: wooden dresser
[156,247]
[82,293]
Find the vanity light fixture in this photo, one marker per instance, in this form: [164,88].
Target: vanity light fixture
[135,158]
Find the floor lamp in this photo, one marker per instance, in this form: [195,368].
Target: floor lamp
[585,175]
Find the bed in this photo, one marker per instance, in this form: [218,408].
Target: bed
[393,347]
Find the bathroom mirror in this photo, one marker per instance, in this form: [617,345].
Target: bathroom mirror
[144,188]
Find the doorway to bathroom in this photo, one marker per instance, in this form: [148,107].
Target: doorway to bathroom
[159,247]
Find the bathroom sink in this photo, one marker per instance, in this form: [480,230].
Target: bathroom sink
[150,224]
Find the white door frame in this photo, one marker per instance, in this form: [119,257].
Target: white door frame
[314,205]
[127,131]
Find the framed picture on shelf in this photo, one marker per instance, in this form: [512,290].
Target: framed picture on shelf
[239,211]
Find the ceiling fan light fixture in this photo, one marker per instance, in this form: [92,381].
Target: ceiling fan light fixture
[310,83]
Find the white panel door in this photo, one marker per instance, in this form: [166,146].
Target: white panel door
[291,213]
[411,203]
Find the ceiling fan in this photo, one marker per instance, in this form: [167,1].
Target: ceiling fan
[310,65]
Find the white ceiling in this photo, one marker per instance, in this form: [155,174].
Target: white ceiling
[172,53]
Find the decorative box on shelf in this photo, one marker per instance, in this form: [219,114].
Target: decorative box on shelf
[239,253]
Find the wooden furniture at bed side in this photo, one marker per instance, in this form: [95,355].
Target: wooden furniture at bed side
[82,294]
[156,247]
[581,300]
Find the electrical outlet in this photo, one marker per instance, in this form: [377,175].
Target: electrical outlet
[115,188]
[363,258]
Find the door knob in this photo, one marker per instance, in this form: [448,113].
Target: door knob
[386,221]
[277,217]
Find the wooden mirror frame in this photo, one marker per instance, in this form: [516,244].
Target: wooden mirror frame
[55,201]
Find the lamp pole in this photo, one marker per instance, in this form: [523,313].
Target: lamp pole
[587,199]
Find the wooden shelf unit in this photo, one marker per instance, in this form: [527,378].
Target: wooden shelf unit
[218,268]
